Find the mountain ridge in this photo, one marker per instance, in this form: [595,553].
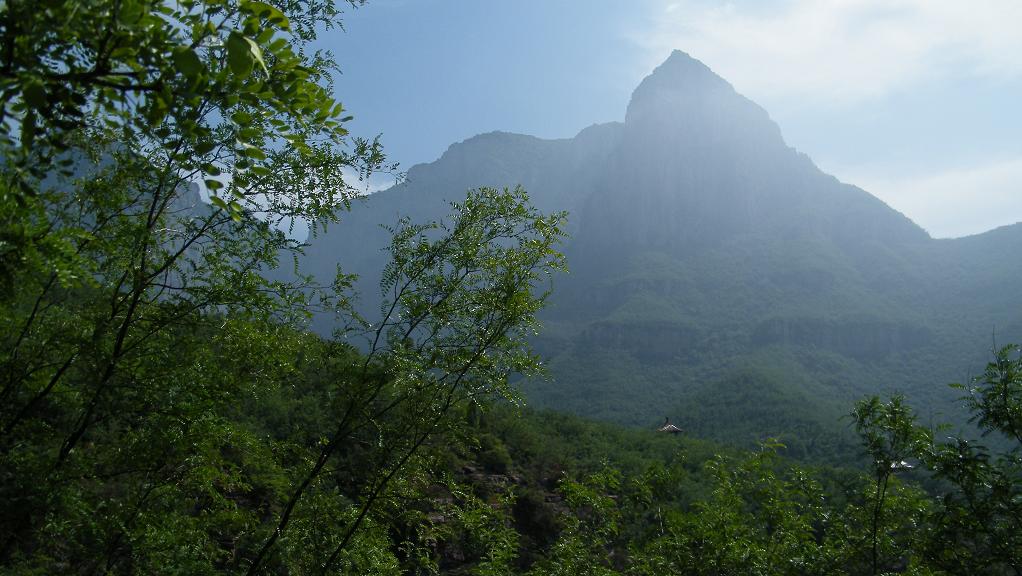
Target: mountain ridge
[704,250]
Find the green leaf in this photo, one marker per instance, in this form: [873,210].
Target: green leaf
[248,134]
[242,118]
[28,130]
[158,110]
[131,12]
[203,146]
[239,55]
[188,62]
[34,93]
[257,53]
[243,54]
[253,152]
[217,201]
[267,12]
[236,210]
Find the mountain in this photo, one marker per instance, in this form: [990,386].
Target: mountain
[717,275]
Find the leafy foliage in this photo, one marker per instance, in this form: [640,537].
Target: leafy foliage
[978,527]
[141,338]
[165,409]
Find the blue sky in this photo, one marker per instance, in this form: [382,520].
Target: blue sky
[917,101]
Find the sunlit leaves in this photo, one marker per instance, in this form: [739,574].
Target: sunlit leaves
[164,76]
[461,297]
[470,286]
[121,286]
[242,54]
[269,14]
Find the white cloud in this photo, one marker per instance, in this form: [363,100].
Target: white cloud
[956,202]
[299,227]
[365,186]
[838,51]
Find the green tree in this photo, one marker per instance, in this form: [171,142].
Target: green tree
[977,528]
[148,364]
[460,302]
[760,518]
[176,93]
[890,435]
[588,535]
[139,335]
[113,270]
[486,530]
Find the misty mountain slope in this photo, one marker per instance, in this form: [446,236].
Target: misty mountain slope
[708,257]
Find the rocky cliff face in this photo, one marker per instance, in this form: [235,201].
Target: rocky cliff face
[701,241]
[699,164]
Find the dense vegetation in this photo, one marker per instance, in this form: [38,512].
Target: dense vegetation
[164,407]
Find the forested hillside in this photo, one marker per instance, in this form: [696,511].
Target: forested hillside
[715,270]
[178,396]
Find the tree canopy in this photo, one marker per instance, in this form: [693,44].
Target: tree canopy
[163,406]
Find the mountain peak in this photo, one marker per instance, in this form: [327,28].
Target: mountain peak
[683,70]
[683,104]
[679,80]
